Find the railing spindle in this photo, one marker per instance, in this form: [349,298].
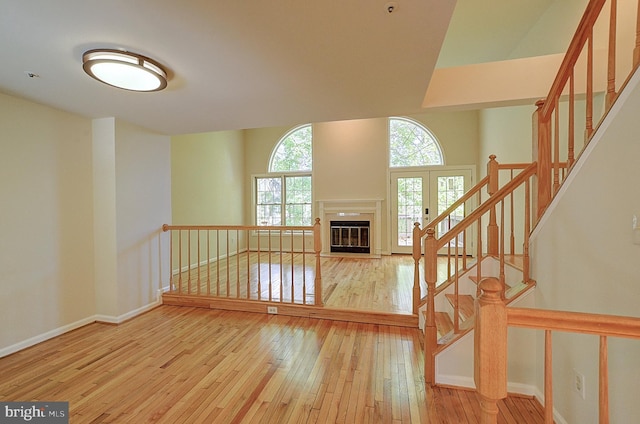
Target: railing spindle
[636,50]
[603,385]
[589,100]
[611,66]
[304,270]
[548,378]
[317,246]
[571,126]
[228,253]
[198,262]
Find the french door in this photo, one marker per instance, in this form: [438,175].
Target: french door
[419,196]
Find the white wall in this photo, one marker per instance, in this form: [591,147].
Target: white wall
[46,222]
[584,260]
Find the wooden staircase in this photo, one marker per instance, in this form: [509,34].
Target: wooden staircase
[464,306]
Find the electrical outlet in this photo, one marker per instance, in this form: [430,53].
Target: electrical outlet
[578,383]
[272,310]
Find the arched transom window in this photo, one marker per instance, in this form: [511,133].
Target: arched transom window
[283,196]
[411,144]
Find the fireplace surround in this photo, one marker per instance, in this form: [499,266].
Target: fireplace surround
[336,212]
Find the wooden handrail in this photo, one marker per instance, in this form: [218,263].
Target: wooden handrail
[486,206]
[492,320]
[461,201]
[575,322]
[573,53]
[195,267]
[167,227]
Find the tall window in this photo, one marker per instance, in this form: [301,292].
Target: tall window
[411,144]
[284,196]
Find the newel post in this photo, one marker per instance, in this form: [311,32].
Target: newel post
[430,331]
[542,156]
[492,187]
[417,254]
[490,349]
[317,248]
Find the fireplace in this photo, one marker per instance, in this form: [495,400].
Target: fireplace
[350,236]
[362,213]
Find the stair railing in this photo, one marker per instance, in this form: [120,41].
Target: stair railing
[253,263]
[490,352]
[497,213]
[554,139]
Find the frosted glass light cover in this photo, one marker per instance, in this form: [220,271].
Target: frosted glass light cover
[125,70]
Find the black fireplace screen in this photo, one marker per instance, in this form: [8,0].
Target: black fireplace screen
[350,236]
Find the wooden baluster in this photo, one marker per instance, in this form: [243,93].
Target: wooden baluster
[228,267]
[603,386]
[556,147]
[317,247]
[611,67]
[589,117]
[171,248]
[180,260]
[237,253]
[527,232]
[259,268]
[571,129]
[492,187]
[430,332]
[417,254]
[199,262]
[189,262]
[280,257]
[479,256]
[218,263]
[490,349]
[456,297]
[548,379]
[512,237]
[636,50]
[292,271]
[269,266]
[502,275]
[248,236]
[304,267]
[208,262]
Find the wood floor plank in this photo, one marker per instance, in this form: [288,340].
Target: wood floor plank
[193,365]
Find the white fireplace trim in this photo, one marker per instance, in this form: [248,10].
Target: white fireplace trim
[359,209]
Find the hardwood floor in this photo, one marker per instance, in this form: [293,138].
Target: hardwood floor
[354,283]
[193,365]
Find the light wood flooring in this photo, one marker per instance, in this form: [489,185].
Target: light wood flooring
[194,365]
[354,283]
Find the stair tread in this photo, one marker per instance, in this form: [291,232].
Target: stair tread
[466,306]
[474,278]
[444,323]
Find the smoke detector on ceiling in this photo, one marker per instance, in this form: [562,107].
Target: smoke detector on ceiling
[391,7]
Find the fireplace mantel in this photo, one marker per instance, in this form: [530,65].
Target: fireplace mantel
[350,210]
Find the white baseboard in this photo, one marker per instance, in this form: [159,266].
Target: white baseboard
[80,323]
[45,336]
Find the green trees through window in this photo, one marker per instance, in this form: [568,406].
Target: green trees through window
[284,196]
[411,144]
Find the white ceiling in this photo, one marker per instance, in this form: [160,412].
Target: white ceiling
[247,64]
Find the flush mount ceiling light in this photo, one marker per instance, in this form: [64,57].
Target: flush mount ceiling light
[126,70]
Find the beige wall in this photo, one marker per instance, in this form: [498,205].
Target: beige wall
[208,178]
[584,259]
[143,204]
[46,220]
[350,158]
[82,205]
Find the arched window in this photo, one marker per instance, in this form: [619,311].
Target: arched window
[411,144]
[283,197]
